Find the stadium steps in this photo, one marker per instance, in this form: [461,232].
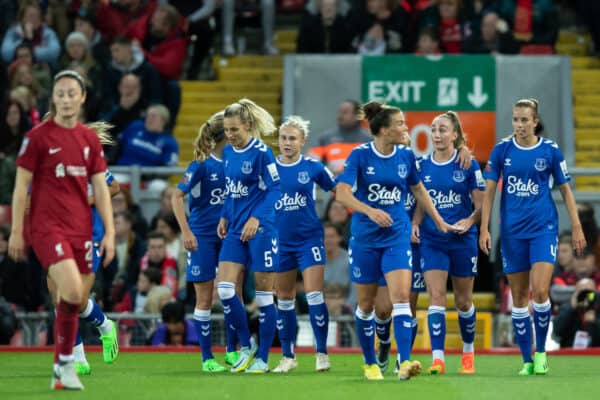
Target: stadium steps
[586,96]
[256,77]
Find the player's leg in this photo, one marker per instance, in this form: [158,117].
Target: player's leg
[383,323]
[417,286]
[287,324]
[313,277]
[463,297]
[231,336]
[67,279]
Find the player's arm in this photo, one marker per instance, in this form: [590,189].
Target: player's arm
[485,240]
[578,238]
[104,207]
[415,236]
[177,202]
[465,224]
[425,203]
[344,195]
[16,244]
[113,189]
[464,157]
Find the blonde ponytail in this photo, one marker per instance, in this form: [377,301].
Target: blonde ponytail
[260,121]
[205,141]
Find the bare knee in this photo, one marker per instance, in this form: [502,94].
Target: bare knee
[540,295]
[463,303]
[437,296]
[72,295]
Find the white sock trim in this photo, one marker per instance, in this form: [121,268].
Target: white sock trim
[436,310]
[264,298]
[365,316]
[315,298]
[383,321]
[467,314]
[88,309]
[226,290]
[542,307]
[201,315]
[286,305]
[402,309]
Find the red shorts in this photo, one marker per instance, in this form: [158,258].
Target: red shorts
[51,248]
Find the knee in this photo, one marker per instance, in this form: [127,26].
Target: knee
[540,295]
[463,303]
[383,314]
[366,305]
[226,290]
[73,295]
[437,296]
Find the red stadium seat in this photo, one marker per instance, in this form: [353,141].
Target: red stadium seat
[537,49]
[5,215]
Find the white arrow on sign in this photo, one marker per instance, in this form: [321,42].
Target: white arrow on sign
[477,97]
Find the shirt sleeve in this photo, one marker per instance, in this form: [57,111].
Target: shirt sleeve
[476,180]
[493,169]
[270,177]
[414,174]
[351,167]
[324,178]
[28,157]
[171,152]
[560,172]
[194,172]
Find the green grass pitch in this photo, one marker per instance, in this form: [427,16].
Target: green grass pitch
[174,376]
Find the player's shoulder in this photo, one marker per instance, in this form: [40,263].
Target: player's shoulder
[549,143]
[40,131]
[312,163]
[260,146]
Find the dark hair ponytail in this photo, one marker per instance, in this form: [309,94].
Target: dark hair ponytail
[379,115]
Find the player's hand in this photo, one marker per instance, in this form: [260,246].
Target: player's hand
[16,247]
[222,228]
[464,158]
[463,225]
[107,248]
[249,229]
[415,236]
[485,241]
[380,217]
[189,241]
[578,239]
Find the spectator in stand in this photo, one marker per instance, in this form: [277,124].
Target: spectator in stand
[123,272]
[165,206]
[337,214]
[127,59]
[428,43]
[174,330]
[336,143]
[494,37]
[267,8]
[563,281]
[113,17]
[85,22]
[123,201]
[8,16]
[28,102]
[56,16]
[380,29]
[135,299]
[447,18]
[590,228]
[531,21]
[565,258]
[167,225]
[41,71]
[325,30]
[198,15]
[131,107]
[20,73]
[157,257]
[31,29]
[336,268]
[147,143]
[164,44]
[588,13]
[578,322]
[15,277]
[13,126]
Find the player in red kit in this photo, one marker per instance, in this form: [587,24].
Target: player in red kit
[57,160]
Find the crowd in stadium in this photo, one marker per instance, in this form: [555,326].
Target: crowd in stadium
[132,54]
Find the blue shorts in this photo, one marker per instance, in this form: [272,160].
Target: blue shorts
[459,262]
[96,256]
[202,264]
[307,256]
[261,254]
[369,264]
[519,255]
[418,282]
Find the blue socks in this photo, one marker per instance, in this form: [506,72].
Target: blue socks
[522,328]
[415,329]
[436,322]
[319,319]
[93,314]
[234,312]
[365,330]
[403,330]
[267,316]
[541,320]
[231,336]
[466,322]
[287,326]
[382,328]
[203,330]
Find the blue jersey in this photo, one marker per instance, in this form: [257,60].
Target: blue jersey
[140,147]
[97,225]
[450,187]
[205,183]
[251,185]
[528,173]
[297,218]
[383,182]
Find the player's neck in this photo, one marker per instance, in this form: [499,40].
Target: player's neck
[384,148]
[443,155]
[218,150]
[289,159]
[65,122]
[527,141]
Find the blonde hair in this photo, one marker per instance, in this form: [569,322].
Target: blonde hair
[296,121]
[529,103]
[260,121]
[157,297]
[205,141]
[461,140]
[102,129]
[162,111]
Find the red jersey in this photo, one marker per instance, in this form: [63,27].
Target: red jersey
[62,162]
